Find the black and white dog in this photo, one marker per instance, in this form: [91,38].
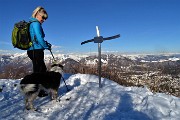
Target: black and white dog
[49,81]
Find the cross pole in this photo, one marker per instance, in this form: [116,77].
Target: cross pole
[99,39]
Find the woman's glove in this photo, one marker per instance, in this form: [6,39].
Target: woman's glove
[49,45]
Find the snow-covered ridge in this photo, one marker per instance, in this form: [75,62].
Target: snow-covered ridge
[21,59]
[89,102]
[78,57]
[154,57]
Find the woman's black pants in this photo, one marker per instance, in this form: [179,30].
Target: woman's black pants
[37,57]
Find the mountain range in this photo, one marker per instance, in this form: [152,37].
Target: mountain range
[21,59]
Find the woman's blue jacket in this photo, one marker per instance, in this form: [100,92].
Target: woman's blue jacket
[37,35]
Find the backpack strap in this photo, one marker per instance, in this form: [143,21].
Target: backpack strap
[31,21]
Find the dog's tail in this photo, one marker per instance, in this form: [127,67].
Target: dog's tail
[26,88]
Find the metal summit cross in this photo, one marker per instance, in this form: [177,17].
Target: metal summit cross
[99,39]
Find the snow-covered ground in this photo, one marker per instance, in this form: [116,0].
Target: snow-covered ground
[89,102]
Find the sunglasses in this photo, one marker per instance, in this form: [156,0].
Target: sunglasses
[43,17]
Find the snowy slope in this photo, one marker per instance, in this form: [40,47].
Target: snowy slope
[89,102]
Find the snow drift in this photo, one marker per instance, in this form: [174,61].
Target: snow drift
[89,102]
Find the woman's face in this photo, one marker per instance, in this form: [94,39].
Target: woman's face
[40,18]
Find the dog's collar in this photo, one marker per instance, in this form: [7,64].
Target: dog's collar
[59,65]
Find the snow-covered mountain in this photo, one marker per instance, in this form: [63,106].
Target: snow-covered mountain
[89,102]
[146,57]
[106,58]
[154,58]
[5,59]
[20,63]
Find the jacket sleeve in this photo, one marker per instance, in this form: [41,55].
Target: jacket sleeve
[39,35]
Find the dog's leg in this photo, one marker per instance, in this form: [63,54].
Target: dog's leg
[54,94]
[26,102]
[29,101]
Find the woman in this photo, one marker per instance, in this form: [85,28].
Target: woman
[36,51]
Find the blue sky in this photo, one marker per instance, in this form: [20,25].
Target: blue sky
[145,26]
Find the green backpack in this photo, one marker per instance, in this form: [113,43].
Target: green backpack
[21,36]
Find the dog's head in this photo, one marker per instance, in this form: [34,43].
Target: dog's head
[57,68]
